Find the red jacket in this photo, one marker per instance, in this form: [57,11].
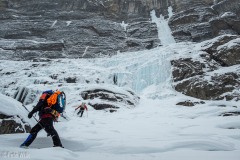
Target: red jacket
[82,106]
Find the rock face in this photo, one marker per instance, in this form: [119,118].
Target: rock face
[89,28]
[13,124]
[180,5]
[115,9]
[213,76]
[208,77]
[229,53]
[189,103]
[198,20]
[75,29]
[230,114]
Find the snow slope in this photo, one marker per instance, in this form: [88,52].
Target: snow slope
[156,129]
[11,107]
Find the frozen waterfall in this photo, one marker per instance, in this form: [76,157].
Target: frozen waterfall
[142,70]
[164,31]
[148,70]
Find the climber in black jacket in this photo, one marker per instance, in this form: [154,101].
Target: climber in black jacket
[45,122]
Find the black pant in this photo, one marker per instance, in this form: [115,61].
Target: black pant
[47,125]
[80,112]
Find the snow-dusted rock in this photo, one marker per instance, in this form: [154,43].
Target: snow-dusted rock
[229,53]
[227,5]
[109,97]
[141,35]
[201,20]
[13,117]
[210,89]
[223,49]
[180,5]
[230,114]
[185,68]
[213,75]
[189,103]
[212,45]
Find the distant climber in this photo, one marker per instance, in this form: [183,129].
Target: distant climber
[82,107]
[49,107]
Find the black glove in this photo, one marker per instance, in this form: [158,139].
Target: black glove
[30,114]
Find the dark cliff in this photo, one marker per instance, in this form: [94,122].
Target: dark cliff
[90,28]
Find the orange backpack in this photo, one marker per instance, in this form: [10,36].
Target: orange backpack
[52,100]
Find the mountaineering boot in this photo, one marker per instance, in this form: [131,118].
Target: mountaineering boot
[23,146]
[56,140]
[55,137]
[58,146]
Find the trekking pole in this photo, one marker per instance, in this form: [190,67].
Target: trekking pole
[64,116]
[29,112]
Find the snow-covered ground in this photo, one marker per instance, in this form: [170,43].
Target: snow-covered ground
[155,129]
